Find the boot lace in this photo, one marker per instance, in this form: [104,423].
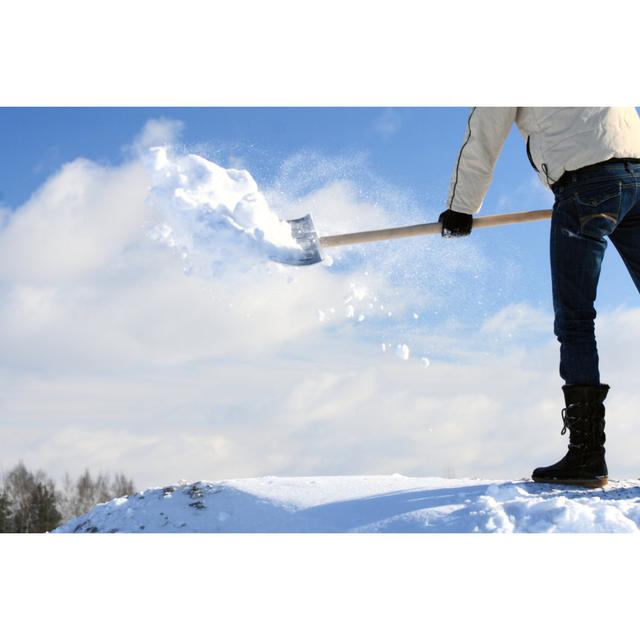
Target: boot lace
[567,420]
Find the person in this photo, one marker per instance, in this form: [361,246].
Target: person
[590,158]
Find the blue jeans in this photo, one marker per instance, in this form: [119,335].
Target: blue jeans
[591,204]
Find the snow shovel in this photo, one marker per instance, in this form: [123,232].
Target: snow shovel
[304,232]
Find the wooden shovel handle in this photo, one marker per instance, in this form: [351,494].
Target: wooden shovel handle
[429,228]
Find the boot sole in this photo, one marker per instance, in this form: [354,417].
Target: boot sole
[592,483]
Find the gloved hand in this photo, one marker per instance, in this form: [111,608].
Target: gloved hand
[455,224]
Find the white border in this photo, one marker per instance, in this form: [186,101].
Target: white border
[330,53]
[319,586]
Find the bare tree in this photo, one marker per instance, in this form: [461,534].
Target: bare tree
[18,484]
[82,495]
[6,525]
[44,509]
[122,486]
[66,498]
[30,502]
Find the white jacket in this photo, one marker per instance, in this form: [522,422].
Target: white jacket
[558,139]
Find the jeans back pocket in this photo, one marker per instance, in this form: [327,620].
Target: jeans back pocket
[598,208]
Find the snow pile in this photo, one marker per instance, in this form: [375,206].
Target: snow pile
[367,504]
[214,210]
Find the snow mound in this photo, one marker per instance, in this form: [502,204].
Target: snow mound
[374,504]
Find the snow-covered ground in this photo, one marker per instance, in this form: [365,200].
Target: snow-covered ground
[367,504]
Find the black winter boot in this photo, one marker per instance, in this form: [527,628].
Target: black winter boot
[584,463]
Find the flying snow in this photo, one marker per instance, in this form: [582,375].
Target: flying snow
[203,202]
[402,351]
[217,219]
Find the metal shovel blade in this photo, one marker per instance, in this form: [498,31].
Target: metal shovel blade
[304,233]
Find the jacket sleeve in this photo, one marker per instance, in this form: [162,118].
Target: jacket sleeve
[487,129]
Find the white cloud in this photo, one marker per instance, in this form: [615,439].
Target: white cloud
[336,208]
[306,171]
[518,318]
[387,123]
[328,407]
[75,225]
[156,132]
[4,215]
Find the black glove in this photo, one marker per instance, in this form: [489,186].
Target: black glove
[455,224]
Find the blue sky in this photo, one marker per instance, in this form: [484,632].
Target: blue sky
[413,148]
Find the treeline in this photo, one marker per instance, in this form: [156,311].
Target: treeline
[31,502]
